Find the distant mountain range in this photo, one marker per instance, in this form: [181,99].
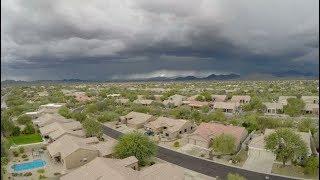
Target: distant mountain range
[255,76]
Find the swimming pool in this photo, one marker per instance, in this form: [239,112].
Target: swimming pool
[28,165]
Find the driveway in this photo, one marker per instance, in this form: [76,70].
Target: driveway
[259,160]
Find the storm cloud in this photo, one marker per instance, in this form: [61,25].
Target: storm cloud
[106,39]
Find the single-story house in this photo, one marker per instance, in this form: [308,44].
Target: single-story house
[283,99]
[310,99]
[273,108]
[47,119]
[136,119]
[241,99]
[169,127]
[123,169]
[198,104]
[176,100]
[74,152]
[219,98]
[81,96]
[55,130]
[229,107]
[311,108]
[206,132]
[145,102]
[157,97]
[122,100]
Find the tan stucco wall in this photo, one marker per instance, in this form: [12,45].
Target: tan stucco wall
[197,140]
[73,160]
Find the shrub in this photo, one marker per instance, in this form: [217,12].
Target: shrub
[176,144]
[29,129]
[28,174]
[26,159]
[57,174]
[15,153]
[24,119]
[21,149]
[235,176]
[24,156]
[42,176]
[16,131]
[41,171]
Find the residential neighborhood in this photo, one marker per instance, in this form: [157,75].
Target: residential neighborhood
[160,90]
[69,138]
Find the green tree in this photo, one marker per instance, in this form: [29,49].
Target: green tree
[138,145]
[286,144]
[312,165]
[294,107]
[65,112]
[306,125]
[108,116]
[29,129]
[92,128]
[7,125]
[200,98]
[24,119]
[181,112]
[92,108]
[255,104]
[79,116]
[206,96]
[16,131]
[217,115]
[235,176]
[224,144]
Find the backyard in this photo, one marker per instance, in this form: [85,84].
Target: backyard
[25,139]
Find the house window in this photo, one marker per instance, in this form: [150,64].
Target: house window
[185,130]
[180,132]
[191,127]
[167,134]
[134,168]
[164,127]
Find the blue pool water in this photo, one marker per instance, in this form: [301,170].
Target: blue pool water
[28,165]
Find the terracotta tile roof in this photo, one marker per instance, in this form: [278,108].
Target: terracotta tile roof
[211,130]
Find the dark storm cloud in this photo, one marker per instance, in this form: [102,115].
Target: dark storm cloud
[103,39]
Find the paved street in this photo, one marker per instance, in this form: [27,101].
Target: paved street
[203,166]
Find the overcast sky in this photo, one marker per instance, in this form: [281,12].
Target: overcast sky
[109,39]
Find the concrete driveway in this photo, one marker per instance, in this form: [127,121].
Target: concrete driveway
[259,160]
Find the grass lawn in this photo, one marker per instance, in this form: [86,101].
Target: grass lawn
[290,170]
[25,139]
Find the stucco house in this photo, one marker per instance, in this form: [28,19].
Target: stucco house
[206,132]
[241,99]
[283,99]
[310,99]
[228,107]
[122,100]
[176,100]
[145,102]
[198,104]
[56,130]
[311,108]
[170,128]
[47,119]
[135,119]
[273,108]
[81,96]
[219,98]
[74,152]
[123,169]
